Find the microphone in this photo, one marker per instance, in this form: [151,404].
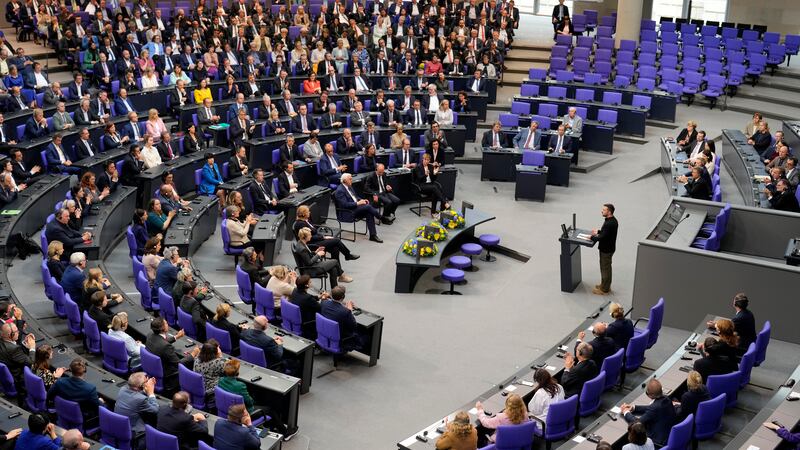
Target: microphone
[684,218]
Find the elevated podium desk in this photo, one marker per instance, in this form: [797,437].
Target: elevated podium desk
[500,164]
[409,268]
[570,259]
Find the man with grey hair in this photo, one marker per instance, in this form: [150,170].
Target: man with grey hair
[84,115]
[59,230]
[346,198]
[572,121]
[74,276]
[167,270]
[16,357]
[137,398]
[73,440]
[330,120]
[358,117]
[9,192]
[255,336]
[53,94]
[61,119]
[185,275]
[576,374]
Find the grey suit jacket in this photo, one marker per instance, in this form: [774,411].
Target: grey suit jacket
[59,121]
[793,177]
[577,123]
[51,98]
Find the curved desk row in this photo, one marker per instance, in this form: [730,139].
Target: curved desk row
[27,214]
[744,163]
[107,221]
[183,168]
[409,269]
[13,417]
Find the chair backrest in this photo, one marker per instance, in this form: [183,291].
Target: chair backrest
[564,76]
[515,437]
[291,318]
[59,298]
[192,382]
[328,334]
[746,365]
[591,392]
[73,317]
[91,333]
[641,101]
[727,384]
[244,287]
[185,322]
[167,305]
[612,98]
[151,364]
[607,116]
[138,267]
[522,108]
[708,418]
[584,94]
[533,158]
[634,353]
[115,356]
[612,366]
[557,92]
[68,414]
[762,341]
[560,420]
[593,78]
[115,429]
[224,400]
[132,247]
[145,291]
[548,110]
[681,435]
[36,396]
[509,120]
[222,336]
[156,440]
[655,321]
[265,302]
[527,90]
[252,354]
[537,74]
[7,381]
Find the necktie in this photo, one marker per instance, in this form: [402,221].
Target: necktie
[169,151]
[2,134]
[135,128]
[418,119]
[333,82]
[406,159]
[353,196]
[528,141]
[133,50]
[495,141]
[168,63]
[380,185]
[559,143]
[371,139]
[110,53]
[88,148]
[332,161]
[208,113]
[241,123]
[21,104]
[105,69]
[303,122]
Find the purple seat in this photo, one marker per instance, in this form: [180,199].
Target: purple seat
[584,95]
[776,55]
[634,352]
[146,292]
[544,122]
[156,440]
[264,302]
[746,365]
[691,85]
[559,51]
[733,44]
[624,57]
[603,68]
[557,92]
[7,382]
[167,306]
[529,90]
[151,364]
[564,76]
[648,36]
[708,418]
[513,437]
[621,81]
[579,23]
[714,89]
[591,393]
[557,64]
[646,84]
[459,262]
[244,286]
[453,276]
[757,65]
[708,30]
[291,319]
[641,101]
[36,395]
[680,437]
[115,429]
[626,70]
[612,98]
[560,421]
[581,53]
[564,40]
[132,247]
[329,337]
[752,48]
[691,51]
[792,43]
[533,158]
[488,241]
[593,78]
[647,24]
[225,400]
[222,336]
[603,31]
[252,354]
[59,299]
[762,342]
[591,18]
[91,335]
[138,267]
[185,323]
[115,356]
[69,416]
[522,108]
[712,54]
[548,110]
[509,120]
[537,74]
[750,35]
[607,117]
[581,68]
[627,45]
[226,243]
[605,43]
[192,382]
[730,33]
[654,321]
[585,41]
[688,28]
[612,366]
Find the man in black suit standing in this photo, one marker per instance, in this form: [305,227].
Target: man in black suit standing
[379,188]
[174,420]
[261,192]
[494,138]
[559,12]
[657,417]
[602,345]
[159,343]
[576,374]
[743,322]
[606,237]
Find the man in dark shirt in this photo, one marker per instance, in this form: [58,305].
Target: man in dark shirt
[256,336]
[341,311]
[309,305]
[606,238]
[174,420]
[190,305]
[713,363]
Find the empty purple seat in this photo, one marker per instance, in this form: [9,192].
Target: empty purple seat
[647,59]
[625,57]
[603,31]
[603,68]
[775,55]
[691,85]
[714,89]
[691,66]
[752,48]
[529,90]
[608,21]
[559,51]
[557,92]
[564,76]
[750,35]
[627,45]
[669,49]
[621,81]
[602,54]
[563,39]
[646,84]
[584,95]
[453,276]
[593,78]
[607,117]
[537,74]
[667,26]
[668,62]
[459,262]
[792,43]
[557,64]
[647,72]
[730,33]
[688,28]
[734,44]
[648,24]
[708,30]
[669,38]
[713,53]
[520,108]
[605,43]
[641,101]
[548,110]
[509,120]
[585,41]
[612,98]
[648,47]
[578,23]
[580,68]
[581,53]
[648,36]
[544,122]
[691,40]
[591,18]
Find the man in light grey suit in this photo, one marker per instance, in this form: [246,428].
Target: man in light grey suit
[206,116]
[573,121]
[54,94]
[61,119]
[137,398]
[524,140]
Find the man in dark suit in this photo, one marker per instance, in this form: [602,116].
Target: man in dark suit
[743,322]
[206,115]
[242,128]
[287,106]
[333,82]
[84,147]
[712,362]
[783,199]
[494,138]
[264,199]
[104,73]
[309,305]
[657,417]
[237,165]
[330,166]
[166,148]
[16,357]
[281,83]
[341,312]
[697,186]
[57,159]
[122,104]
[132,129]
[576,374]
[174,420]
[560,142]
[391,115]
[36,126]
[390,82]
[159,343]
[379,188]
[85,115]
[346,144]
[289,151]
[191,306]
[237,432]
[109,178]
[78,89]
[59,230]
[602,345]
[287,184]
[76,389]
[560,11]
[272,347]
[20,172]
[303,122]
[132,165]
[477,83]
[346,198]
[417,116]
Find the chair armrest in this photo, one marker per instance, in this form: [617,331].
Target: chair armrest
[540,421]
[646,319]
[325,219]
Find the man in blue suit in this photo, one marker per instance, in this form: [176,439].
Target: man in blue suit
[233,110]
[77,89]
[341,312]
[238,432]
[74,276]
[560,142]
[76,389]
[330,166]
[602,345]
[477,83]
[57,159]
[255,336]
[658,417]
[122,104]
[346,198]
[528,138]
[132,129]
[36,126]
[135,399]
[303,122]
[59,230]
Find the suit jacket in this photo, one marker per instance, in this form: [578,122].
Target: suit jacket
[204,119]
[16,358]
[621,331]
[327,83]
[289,154]
[33,130]
[602,347]
[86,118]
[343,149]
[209,179]
[387,117]
[371,186]
[258,338]
[386,84]
[411,112]
[130,169]
[98,70]
[283,109]
[109,142]
[325,168]
[59,121]
[487,139]
[73,90]
[689,402]
[577,123]
[784,201]
[51,155]
[52,98]
[168,355]
[238,134]
[337,312]
[745,325]
[77,390]
[297,125]
[132,404]
[104,181]
[572,380]
[127,130]
[56,231]
[191,306]
[234,167]
[21,175]
[521,138]
[714,365]
[348,104]
[7,196]
[565,142]
[81,151]
[481,84]
[327,121]
[262,199]
[365,138]
[283,184]
[309,307]
[182,425]
[233,436]
[658,417]
[698,189]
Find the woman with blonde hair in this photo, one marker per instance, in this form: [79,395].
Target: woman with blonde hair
[282,283]
[696,392]
[397,138]
[460,434]
[154,125]
[117,329]
[54,263]
[514,413]
[95,281]
[220,320]
[621,329]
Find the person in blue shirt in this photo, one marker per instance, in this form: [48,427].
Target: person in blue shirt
[74,276]
[40,435]
[255,336]
[135,399]
[210,178]
[238,432]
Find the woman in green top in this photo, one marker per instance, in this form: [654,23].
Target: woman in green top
[157,220]
[90,56]
[231,383]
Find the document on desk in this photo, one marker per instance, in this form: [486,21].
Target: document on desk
[584,236]
[578,439]
[473,411]
[793,395]
[616,410]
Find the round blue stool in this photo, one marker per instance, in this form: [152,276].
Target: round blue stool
[470,249]
[453,276]
[488,241]
[460,262]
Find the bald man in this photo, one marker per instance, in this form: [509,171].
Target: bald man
[16,357]
[602,345]
[658,417]
[255,336]
[73,440]
[188,428]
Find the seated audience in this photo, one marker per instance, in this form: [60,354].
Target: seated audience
[696,392]
[152,257]
[158,220]
[272,346]
[340,311]
[74,276]
[281,283]
[576,374]
[159,343]
[744,323]
[333,245]
[547,392]
[231,383]
[220,320]
[637,438]
[514,413]
[425,176]
[40,435]
[658,417]
[313,262]
[237,432]
[119,325]
[309,305]
[76,389]
[174,420]
[602,345]
[55,265]
[190,305]
[239,231]
[714,361]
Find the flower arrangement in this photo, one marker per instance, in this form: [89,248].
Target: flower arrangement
[451,219]
[433,231]
[411,247]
